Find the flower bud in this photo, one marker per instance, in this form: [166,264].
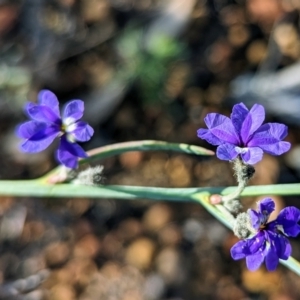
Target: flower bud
[242,227]
[233,205]
[90,176]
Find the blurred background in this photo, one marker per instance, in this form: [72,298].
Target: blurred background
[146,69]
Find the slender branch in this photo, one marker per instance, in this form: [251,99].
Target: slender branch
[37,188]
[144,145]
[243,173]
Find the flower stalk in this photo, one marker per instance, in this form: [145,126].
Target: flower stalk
[243,173]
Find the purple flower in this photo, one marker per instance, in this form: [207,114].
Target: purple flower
[243,134]
[269,244]
[46,124]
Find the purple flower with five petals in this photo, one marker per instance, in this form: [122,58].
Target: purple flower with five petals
[46,124]
[270,242]
[244,135]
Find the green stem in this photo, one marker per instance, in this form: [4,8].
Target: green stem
[38,188]
[145,145]
[239,168]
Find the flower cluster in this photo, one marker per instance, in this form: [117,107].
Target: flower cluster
[269,242]
[241,135]
[46,124]
[244,135]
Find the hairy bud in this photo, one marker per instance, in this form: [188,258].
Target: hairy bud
[233,205]
[243,171]
[242,227]
[90,176]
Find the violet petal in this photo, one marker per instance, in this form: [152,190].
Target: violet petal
[268,137]
[277,148]
[68,153]
[266,207]
[205,134]
[28,129]
[40,140]
[41,113]
[238,115]
[252,156]
[257,242]
[227,152]
[252,122]
[81,131]
[281,244]
[288,219]
[239,250]
[73,111]
[255,260]
[46,97]
[271,258]
[221,127]
[256,218]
